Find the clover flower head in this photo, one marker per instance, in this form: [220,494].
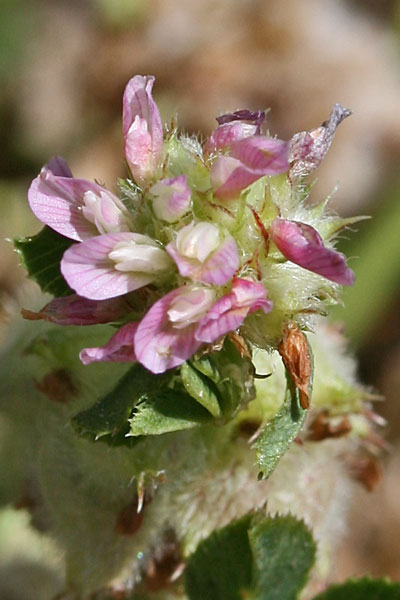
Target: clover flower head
[199,243]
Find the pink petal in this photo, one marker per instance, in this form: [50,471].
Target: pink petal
[252,295]
[308,148]
[89,271]
[171,198]
[139,150]
[268,156]
[227,134]
[216,266]
[229,177]
[75,310]
[229,312]
[138,100]
[120,347]
[250,159]
[222,264]
[58,166]
[142,127]
[57,202]
[106,212]
[159,346]
[302,244]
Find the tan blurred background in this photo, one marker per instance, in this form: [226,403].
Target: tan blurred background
[63,68]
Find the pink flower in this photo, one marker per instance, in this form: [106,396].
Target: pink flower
[177,325]
[250,159]
[308,148]
[171,198]
[202,254]
[302,244]
[76,208]
[229,312]
[113,264]
[142,129]
[165,337]
[120,347]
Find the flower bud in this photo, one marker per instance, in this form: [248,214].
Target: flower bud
[142,129]
[201,253]
[171,199]
[105,211]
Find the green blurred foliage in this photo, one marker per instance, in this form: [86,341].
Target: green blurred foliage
[375,257]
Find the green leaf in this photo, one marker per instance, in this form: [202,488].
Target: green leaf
[362,589]
[284,551]
[263,558]
[41,256]
[167,411]
[280,432]
[221,566]
[233,376]
[201,388]
[108,419]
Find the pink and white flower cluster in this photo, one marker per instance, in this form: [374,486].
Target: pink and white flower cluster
[191,261]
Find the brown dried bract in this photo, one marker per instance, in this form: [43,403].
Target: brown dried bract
[365,469]
[29,315]
[25,502]
[105,594]
[322,428]
[57,385]
[129,520]
[297,360]
[248,428]
[260,225]
[165,565]
[240,344]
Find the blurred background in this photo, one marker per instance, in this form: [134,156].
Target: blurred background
[63,67]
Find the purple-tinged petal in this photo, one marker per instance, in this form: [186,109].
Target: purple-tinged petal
[61,203]
[302,244]
[250,159]
[56,202]
[229,177]
[138,100]
[229,312]
[202,255]
[221,265]
[165,336]
[58,166]
[308,148]
[172,198]
[233,127]
[75,310]
[257,117]
[142,128]
[114,264]
[268,156]
[120,347]
[105,211]
[252,295]
[139,151]
[227,134]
